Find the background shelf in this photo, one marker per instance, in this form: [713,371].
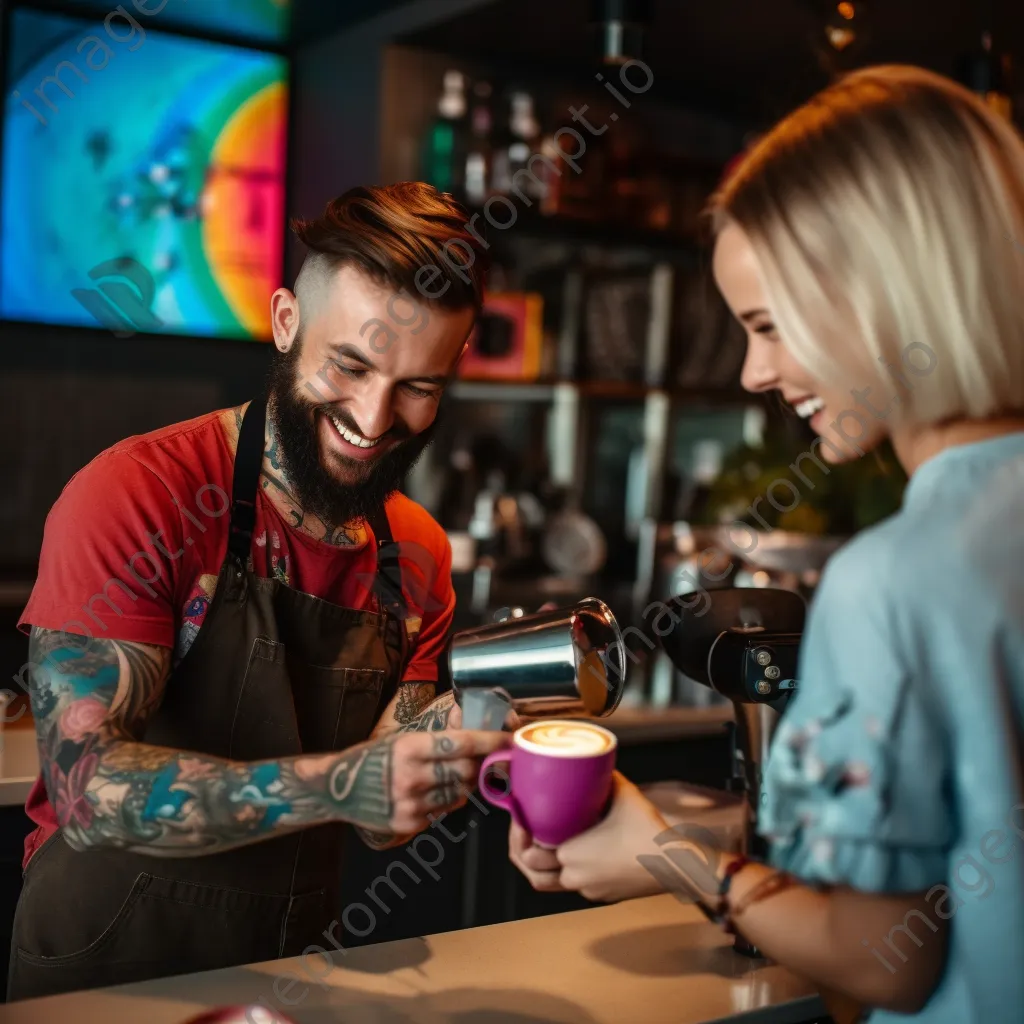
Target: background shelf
[544,391]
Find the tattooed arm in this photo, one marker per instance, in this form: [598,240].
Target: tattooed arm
[91,704]
[415,709]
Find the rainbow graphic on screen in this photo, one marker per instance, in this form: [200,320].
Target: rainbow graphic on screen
[161,153]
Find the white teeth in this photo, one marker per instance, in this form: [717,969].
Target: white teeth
[359,442]
[808,407]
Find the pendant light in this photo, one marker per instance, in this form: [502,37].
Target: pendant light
[619,27]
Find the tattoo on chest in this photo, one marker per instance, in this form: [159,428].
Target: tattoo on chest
[341,536]
[274,481]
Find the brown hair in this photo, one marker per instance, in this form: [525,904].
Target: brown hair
[407,235]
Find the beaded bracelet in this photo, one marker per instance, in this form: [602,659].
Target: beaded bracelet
[768,886]
[732,869]
[719,915]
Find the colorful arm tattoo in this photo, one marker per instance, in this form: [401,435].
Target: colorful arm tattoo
[91,701]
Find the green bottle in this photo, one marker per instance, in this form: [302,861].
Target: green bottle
[444,157]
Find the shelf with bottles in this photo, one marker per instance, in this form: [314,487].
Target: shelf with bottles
[491,390]
[557,159]
[577,232]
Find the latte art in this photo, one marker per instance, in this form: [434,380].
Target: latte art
[570,739]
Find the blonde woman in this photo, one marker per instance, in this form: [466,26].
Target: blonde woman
[872,245]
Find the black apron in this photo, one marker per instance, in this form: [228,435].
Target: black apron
[273,672]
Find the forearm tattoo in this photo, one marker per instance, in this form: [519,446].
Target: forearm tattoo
[412,700]
[434,717]
[92,700]
[445,793]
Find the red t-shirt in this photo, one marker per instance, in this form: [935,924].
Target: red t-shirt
[134,544]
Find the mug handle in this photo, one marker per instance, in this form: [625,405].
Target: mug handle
[502,800]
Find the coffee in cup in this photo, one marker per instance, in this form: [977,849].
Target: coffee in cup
[559,778]
[566,739]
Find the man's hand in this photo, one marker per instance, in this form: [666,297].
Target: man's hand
[429,773]
[435,772]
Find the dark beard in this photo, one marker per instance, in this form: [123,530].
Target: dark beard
[318,491]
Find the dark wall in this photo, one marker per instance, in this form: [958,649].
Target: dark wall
[66,394]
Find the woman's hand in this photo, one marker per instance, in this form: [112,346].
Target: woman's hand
[600,864]
[537,863]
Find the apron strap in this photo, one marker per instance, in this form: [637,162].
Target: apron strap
[245,489]
[388,584]
[245,482]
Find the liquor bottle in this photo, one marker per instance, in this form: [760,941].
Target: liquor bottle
[525,132]
[501,173]
[552,168]
[988,74]
[479,157]
[444,157]
[516,142]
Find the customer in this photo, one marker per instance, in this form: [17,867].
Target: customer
[872,245]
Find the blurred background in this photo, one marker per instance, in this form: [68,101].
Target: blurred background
[597,441]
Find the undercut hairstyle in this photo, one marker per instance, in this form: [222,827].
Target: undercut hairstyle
[891,205]
[406,236]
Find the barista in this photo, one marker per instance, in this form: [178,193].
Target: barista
[235,629]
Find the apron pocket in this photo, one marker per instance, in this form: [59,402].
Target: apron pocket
[337,707]
[164,927]
[264,726]
[183,926]
[100,943]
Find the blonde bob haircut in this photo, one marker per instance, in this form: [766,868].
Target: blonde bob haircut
[887,219]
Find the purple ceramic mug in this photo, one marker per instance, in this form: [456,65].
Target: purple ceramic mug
[559,778]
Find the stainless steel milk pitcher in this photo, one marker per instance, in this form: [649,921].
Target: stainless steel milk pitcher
[551,663]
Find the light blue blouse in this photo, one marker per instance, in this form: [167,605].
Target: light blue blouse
[898,764]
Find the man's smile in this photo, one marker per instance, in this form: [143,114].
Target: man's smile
[350,444]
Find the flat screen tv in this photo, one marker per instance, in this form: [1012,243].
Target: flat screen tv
[143,179]
[265,21]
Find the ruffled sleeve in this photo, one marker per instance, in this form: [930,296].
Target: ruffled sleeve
[857,782]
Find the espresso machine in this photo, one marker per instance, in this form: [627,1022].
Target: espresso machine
[743,643]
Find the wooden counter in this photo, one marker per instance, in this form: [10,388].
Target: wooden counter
[653,960]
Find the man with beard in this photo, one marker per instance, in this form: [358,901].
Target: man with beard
[235,628]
